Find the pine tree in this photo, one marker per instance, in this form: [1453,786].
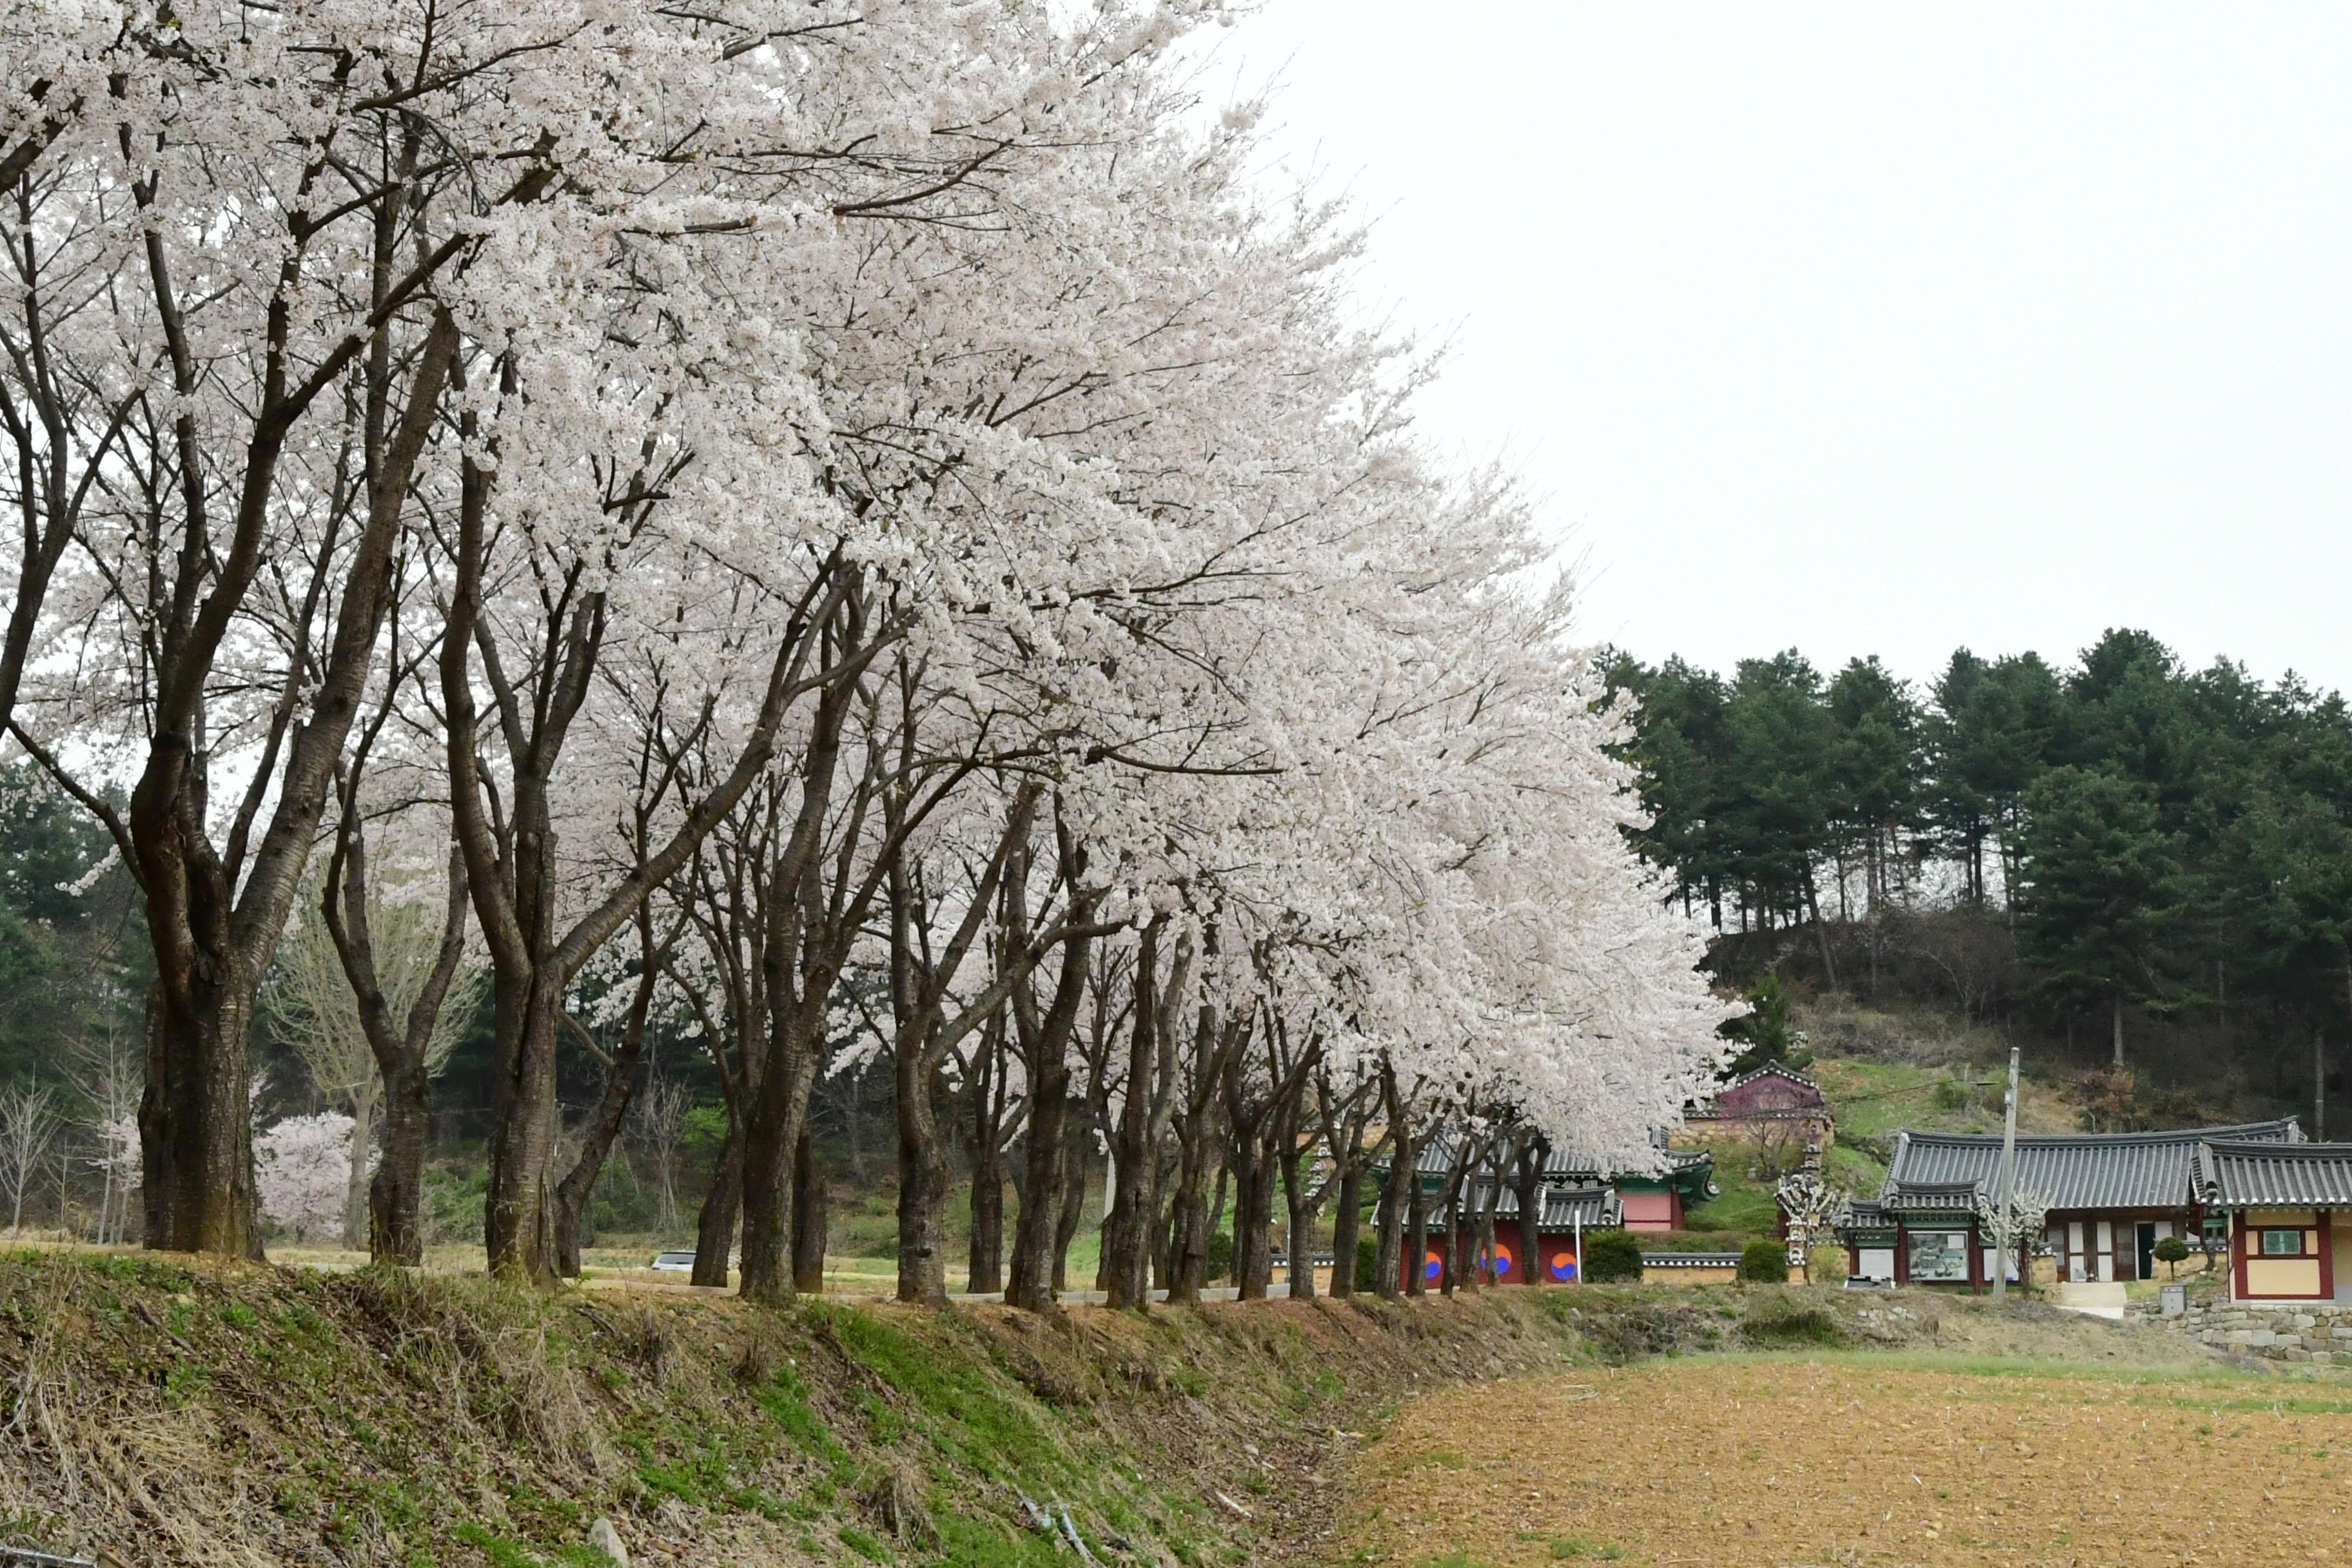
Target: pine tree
[2106,893]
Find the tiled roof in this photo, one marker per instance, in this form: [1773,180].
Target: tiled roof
[2240,1174]
[1705,1110]
[1861,1215]
[1772,1070]
[1564,1208]
[1594,1208]
[1436,1154]
[1576,1166]
[1934,1197]
[2072,1171]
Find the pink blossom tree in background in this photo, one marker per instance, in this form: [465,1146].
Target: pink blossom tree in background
[302,1172]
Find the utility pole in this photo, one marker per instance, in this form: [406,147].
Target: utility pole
[2005,1184]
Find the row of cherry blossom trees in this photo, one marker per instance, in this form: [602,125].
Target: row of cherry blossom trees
[804,524]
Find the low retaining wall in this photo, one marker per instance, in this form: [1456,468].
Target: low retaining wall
[2313,1331]
[1689,1268]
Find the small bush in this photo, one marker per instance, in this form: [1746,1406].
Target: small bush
[1611,1256]
[1764,1263]
[1220,1254]
[1367,1263]
[1827,1264]
[2172,1252]
[1785,1326]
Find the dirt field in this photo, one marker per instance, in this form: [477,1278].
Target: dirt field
[1861,1460]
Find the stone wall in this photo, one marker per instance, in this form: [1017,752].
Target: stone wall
[2313,1331]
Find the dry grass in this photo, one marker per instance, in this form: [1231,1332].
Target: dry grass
[1855,1460]
[178,1413]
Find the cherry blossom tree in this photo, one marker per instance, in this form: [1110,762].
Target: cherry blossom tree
[887,511]
[302,1172]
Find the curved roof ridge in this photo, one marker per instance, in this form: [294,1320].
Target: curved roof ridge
[2250,1174]
[1781,1069]
[2221,1134]
[2080,1170]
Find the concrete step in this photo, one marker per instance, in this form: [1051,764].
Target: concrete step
[2092,1300]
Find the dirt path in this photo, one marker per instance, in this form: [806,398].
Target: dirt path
[1860,1461]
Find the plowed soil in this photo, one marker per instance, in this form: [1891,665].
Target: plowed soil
[1851,1460]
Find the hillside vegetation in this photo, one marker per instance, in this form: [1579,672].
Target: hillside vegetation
[2120,859]
[1884,1069]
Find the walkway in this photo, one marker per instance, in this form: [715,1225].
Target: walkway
[2091,1301]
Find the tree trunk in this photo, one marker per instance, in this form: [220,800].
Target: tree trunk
[1300,1206]
[1253,1215]
[1188,1219]
[1416,1240]
[723,1206]
[809,1217]
[1820,930]
[2119,1027]
[985,1268]
[196,1119]
[986,1276]
[1349,1195]
[1403,1159]
[1530,1195]
[923,1186]
[596,1140]
[1127,1229]
[1483,1272]
[777,1112]
[1031,1282]
[1073,1213]
[1454,1199]
[355,1187]
[520,1214]
[396,1195]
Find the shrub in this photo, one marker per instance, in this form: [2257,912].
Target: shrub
[1367,1263]
[2173,1252]
[1611,1256]
[1220,1261]
[1764,1263]
[1783,1326]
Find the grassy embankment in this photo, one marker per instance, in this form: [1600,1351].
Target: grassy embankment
[169,1412]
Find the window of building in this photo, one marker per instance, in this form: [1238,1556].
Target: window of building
[2282,1243]
[1939,1256]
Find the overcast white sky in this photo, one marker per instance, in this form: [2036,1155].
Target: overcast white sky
[1875,328]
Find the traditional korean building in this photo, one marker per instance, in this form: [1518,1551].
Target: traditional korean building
[2111,1196]
[1579,1195]
[2288,1208]
[1772,1096]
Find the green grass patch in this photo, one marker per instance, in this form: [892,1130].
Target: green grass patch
[864,1545]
